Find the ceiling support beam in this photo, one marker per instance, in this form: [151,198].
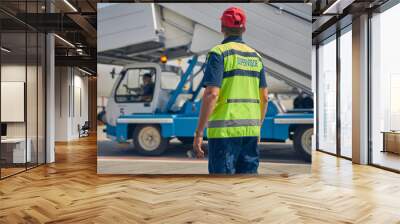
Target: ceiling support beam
[84,24]
[77,61]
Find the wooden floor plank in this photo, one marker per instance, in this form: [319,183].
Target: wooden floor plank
[70,191]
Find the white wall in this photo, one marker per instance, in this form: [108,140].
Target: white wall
[61,103]
[71,87]
[16,73]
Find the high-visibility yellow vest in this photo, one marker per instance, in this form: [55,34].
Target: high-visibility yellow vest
[237,111]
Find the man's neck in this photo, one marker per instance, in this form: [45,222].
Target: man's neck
[232,38]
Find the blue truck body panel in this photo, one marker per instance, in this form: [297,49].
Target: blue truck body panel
[275,127]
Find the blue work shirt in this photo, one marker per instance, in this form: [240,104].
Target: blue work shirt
[214,72]
[148,89]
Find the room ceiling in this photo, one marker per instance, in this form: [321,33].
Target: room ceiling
[74,22]
[326,21]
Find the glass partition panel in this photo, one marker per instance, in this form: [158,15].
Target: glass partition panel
[41,79]
[385,84]
[327,95]
[14,153]
[31,98]
[22,64]
[346,93]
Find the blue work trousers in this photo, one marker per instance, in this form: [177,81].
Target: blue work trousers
[237,155]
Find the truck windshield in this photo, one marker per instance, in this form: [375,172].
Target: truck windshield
[136,85]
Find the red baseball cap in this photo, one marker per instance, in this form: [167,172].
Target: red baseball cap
[234,17]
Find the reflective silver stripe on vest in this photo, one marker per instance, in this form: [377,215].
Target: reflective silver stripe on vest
[243,101]
[233,123]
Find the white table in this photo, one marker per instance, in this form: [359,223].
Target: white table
[19,154]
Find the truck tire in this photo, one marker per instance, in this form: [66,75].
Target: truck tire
[148,140]
[303,141]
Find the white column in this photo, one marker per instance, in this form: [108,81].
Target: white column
[50,104]
[50,92]
[360,90]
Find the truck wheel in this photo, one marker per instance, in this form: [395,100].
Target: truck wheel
[148,140]
[303,141]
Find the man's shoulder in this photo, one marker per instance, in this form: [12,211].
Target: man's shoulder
[217,49]
[247,48]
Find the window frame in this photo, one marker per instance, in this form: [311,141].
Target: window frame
[123,74]
[334,37]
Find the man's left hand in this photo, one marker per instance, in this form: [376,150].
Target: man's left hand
[197,146]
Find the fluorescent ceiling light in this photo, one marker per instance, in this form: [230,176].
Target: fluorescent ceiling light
[331,7]
[84,71]
[338,6]
[5,50]
[65,41]
[70,5]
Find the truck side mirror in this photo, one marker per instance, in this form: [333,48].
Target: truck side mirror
[112,73]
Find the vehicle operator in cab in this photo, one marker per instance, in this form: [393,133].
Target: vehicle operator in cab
[147,87]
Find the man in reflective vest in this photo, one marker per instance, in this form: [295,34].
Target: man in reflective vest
[234,102]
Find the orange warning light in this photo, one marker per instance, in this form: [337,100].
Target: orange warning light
[163,59]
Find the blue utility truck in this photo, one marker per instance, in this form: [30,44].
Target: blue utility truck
[152,121]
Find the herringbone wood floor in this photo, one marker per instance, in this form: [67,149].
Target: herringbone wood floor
[70,191]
